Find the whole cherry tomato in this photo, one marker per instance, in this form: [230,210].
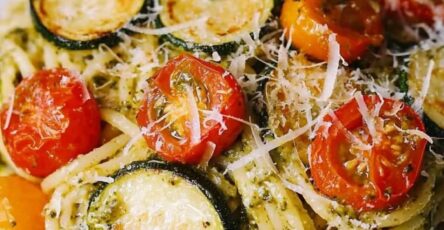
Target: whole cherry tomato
[53,119]
[309,24]
[375,178]
[191,107]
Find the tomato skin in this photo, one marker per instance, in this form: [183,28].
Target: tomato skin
[212,78]
[415,11]
[332,178]
[24,201]
[52,122]
[309,29]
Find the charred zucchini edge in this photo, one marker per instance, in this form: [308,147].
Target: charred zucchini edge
[110,39]
[211,192]
[431,127]
[222,49]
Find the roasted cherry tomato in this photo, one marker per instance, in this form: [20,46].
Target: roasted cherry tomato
[53,119]
[21,204]
[417,11]
[188,110]
[368,171]
[309,24]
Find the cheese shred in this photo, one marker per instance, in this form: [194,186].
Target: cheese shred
[334,58]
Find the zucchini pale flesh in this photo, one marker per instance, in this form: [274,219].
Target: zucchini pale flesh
[153,193]
[84,24]
[433,103]
[219,25]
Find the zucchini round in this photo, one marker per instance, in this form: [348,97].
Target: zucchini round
[227,21]
[86,24]
[154,193]
[433,105]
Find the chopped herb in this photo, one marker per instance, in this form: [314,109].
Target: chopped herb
[403,86]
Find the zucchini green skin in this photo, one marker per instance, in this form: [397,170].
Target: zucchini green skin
[432,128]
[213,194]
[277,7]
[110,39]
[261,111]
[221,49]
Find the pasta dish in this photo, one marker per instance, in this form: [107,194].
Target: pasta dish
[199,114]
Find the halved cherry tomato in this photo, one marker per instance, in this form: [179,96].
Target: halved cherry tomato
[417,11]
[309,23]
[368,178]
[21,204]
[167,117]
[53,120]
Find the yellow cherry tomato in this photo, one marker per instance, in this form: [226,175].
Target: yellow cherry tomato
[21,204]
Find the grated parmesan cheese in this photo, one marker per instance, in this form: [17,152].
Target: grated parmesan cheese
[194,116]
[417,105]
[334,57]
[208,154]
[10,110]
[237,66]
[416,132]
[366,116]
[267,147]
[216,57]
[397,106]
[214,115]
[85,92]
[350,137]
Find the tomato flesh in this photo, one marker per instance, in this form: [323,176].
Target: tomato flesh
[416,11]
[309,23]
[166,117]
[53,120]
[368,173]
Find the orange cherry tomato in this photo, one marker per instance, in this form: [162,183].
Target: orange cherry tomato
[309,23]
[374,178]
[53,120]
[21,204]
[167,117]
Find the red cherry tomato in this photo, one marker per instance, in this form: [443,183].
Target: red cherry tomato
[417,11]
[309,23]
[53,120]
[373,178]
[167,114]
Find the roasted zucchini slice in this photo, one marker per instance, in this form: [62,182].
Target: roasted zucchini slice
[85,24]
[224,22]
[433,104]
[153,193]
